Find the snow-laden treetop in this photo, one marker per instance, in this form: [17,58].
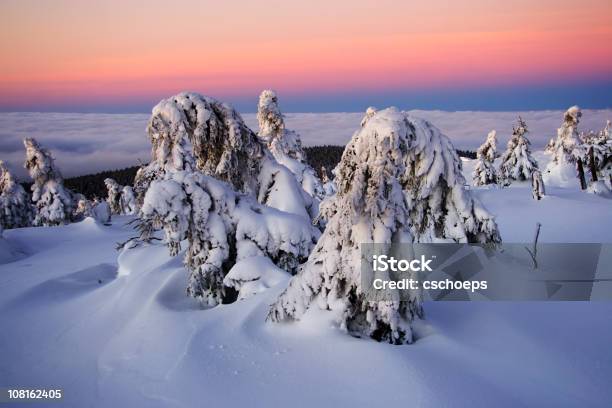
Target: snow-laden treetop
[572,115]
[40,163]
[211,132]
[269,116]
[395,147]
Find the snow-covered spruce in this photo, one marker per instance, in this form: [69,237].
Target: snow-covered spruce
[537,185]
[286,145]
[561,169]
[114,196]
[596,154]
[517,163]
[485,172]
[221,226]
[223,147]
[329,187]
[399,180]
[53,202]
[15,207]
[144,176]
[128,201]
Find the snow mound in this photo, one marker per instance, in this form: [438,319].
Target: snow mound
[253,275]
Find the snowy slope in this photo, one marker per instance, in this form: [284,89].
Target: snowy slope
[119,331]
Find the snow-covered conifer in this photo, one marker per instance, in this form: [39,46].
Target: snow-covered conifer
[596,154]
[15,207]
[537,185]
[221,226]
[485,173]
[128,201]
[286,145]
[562,169]
[329,187]
[53,202]
[114,196]
[223,147]
[399,180]
[517,163]
[568,137]
[144,176]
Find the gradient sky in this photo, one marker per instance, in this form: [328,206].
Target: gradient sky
[115,56]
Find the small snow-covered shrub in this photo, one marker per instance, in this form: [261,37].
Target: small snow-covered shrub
[286,145]
[399,180]
[15,207]
[53,202]
[485,173]
[517,163]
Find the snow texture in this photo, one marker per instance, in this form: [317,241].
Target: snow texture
[399,180]
[121,332]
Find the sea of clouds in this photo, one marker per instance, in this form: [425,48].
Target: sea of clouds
[84,143]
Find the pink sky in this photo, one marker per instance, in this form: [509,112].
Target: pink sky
[55,51]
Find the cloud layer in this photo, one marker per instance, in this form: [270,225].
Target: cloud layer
[87,143]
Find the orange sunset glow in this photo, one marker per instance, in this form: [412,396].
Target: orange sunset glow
[61,51]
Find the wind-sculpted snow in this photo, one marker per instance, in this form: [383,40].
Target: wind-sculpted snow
[399,180]
[137,340]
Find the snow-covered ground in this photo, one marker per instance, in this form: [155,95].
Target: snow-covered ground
[116,329]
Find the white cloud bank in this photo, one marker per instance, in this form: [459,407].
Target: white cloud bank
[87,143]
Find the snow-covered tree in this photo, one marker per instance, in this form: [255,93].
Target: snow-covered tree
[53,202]
[144,176]
[128,201]
[568,137]
[399,180]
[517,163]
[221,226]
[286,145]
[329,187]
[485,173]
[537,185]
[222,147]
[114,196]
[562,169]
[15,208]
[596,154]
